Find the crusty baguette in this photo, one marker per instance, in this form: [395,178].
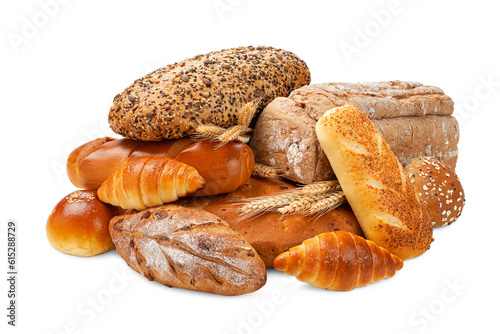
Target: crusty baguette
[414,120]
[272,233]
[149,181]
[338,261]
[173,101]
[188,248]
[375,184]
[224,168]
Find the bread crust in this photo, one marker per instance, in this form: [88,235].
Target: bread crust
[224,168]
[272,233]
[339,261]
[207,89]
[188,248]
[150,181]
[439,187]
[78,224]
[374,182]
[413,118]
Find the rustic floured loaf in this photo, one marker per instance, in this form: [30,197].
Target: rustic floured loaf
[414,120]
[188,248]
[272,233]
[386,204]
[173,101]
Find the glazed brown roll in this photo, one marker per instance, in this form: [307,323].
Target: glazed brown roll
[78,224]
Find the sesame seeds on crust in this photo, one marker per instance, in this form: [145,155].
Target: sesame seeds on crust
[439,187]
[387,207]
[173,101]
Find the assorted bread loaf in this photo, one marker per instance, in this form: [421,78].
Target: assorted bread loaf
[78,224]
[272,233]
[388,208]
[188,248]
[224,168]
[414,119]
[197,220]
[173,101]
[149,181]
[338,261]
[439,187]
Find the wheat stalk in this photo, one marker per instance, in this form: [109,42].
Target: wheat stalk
[303,204]
[330,202]
[265,171]
[248,111]
[316,198]
[233,133]
[319,187]
[236,132]
[261,204]
[209,131]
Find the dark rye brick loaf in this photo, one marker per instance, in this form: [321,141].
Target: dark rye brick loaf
[414,119]
[207,89]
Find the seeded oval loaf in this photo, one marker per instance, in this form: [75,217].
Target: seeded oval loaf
[207,89]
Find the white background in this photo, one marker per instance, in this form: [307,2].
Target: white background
[58,81]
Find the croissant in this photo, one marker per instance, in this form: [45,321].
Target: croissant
[149,181]
[339,261]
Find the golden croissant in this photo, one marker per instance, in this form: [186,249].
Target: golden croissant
[149,181]
[339,261]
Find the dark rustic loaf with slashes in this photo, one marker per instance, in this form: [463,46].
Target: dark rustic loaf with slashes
[207,89]
[188,248]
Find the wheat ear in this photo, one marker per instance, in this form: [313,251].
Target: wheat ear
[263,171]
[330,202]
[257,205]
[303,204]
[319,187]
[316,198]
[236,132]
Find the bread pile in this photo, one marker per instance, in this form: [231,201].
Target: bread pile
[414,119]
[184,202]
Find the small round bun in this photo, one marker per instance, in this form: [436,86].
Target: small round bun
[439,188]
[78,225]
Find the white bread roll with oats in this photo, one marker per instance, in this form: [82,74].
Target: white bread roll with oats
[389,210]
